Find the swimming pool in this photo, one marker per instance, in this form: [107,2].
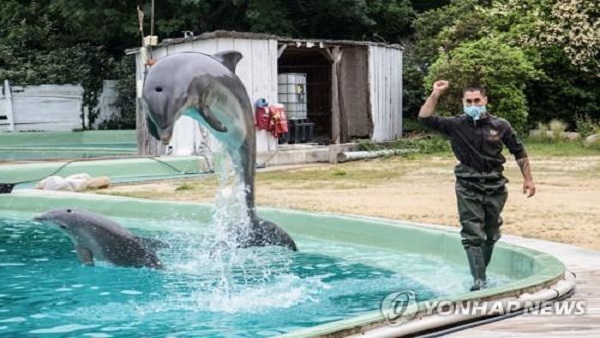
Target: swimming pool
[253,292]
[344,268]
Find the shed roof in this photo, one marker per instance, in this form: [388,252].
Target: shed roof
[264,36]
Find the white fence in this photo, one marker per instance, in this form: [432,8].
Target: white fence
[50,107]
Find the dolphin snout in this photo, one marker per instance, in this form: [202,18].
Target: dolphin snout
[39,218]
[165,133]
[165,138]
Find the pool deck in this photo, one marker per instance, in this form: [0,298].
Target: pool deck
[586,266]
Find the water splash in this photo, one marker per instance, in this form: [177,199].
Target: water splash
[230,215]
[235,277]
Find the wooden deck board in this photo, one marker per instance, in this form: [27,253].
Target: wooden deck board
[586,265]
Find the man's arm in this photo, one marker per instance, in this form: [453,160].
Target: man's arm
[516,147]
[429,106]
[528,185]
[426,114]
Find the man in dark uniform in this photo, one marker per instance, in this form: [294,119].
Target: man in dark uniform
[477,139]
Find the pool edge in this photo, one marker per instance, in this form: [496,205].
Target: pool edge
[550,269]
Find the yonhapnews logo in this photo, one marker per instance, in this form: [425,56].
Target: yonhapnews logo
[400,307]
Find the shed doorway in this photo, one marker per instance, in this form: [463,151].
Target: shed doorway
[317,67]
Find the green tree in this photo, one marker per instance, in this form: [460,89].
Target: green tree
[434,26]
[425,5]
[557,38]
[83,41]
[393,20]
[413,92]
[501,69]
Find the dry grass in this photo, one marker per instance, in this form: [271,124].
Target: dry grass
[565,209]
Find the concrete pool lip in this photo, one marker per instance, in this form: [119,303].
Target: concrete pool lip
[533,269]
[119,170]
[28,146]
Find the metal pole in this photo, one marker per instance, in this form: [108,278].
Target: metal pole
[152,20]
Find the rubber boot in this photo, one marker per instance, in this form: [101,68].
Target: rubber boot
[487,250]
[477,265]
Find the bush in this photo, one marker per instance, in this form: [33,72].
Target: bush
[540,134]
[503,70]
[586,126]
[558,128]
[425,144]
[413,93]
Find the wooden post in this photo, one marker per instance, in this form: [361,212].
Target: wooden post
[342,104]
[9,106]
[147,145]
[335,55]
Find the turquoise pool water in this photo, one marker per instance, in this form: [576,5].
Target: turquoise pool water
[248,293]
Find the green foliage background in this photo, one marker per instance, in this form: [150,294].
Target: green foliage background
[531,82]
[487,62]
[490,42]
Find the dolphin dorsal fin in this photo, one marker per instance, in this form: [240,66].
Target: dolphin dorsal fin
[229,59]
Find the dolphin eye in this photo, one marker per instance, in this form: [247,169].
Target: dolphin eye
[158,89]
[69,210]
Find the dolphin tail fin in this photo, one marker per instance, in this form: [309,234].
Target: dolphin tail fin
[151,243]
[266,233]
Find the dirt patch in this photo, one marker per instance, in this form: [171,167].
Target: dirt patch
[565,209]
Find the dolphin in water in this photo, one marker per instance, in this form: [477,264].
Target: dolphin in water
[206,88]
[96,237]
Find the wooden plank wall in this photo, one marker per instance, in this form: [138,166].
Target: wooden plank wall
[42,108]
[257,70]
[51,107]
[354,90]
[385,87]
[6,110]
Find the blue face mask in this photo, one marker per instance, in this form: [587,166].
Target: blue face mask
[474,112]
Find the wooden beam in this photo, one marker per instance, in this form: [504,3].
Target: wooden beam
[280,50]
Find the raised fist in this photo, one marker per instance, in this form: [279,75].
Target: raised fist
[440,86]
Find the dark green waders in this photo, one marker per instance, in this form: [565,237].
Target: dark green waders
[480,198]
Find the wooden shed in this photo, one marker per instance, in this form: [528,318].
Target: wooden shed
[353,89]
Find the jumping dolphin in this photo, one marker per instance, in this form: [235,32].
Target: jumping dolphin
[206,88]
[96,237]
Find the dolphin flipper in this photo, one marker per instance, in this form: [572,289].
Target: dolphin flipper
[84,255]
[265,233]
[207,116]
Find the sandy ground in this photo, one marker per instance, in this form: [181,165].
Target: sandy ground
[565,209]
